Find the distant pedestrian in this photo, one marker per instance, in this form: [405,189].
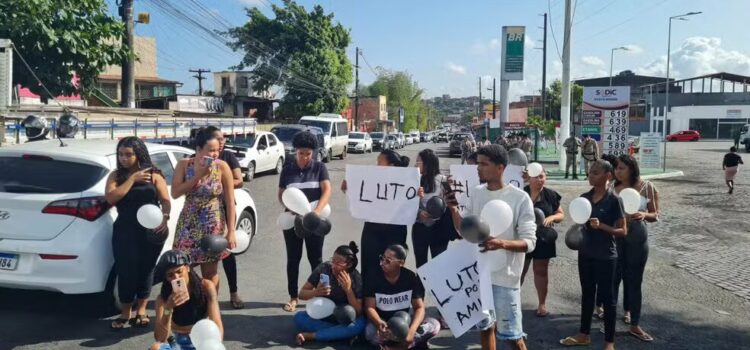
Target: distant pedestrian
[467,147]
[484,142]
[589,152]
[526,145]
[572,144]
[731,166]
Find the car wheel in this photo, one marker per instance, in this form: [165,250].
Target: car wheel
[343,154]
[328,156]
[246,222]
[279,166]
[250,173]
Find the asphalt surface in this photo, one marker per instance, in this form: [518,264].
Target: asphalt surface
[696,285]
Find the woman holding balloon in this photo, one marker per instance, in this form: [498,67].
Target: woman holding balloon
[597,253]
[432,230]
[311,177]
[641,201]
[548,212]
[135,183]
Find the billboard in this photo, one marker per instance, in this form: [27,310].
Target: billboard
[512,53]
[605,117]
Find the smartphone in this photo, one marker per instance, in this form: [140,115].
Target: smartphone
[178,285]
[447,187]
[207,160]
[325,280]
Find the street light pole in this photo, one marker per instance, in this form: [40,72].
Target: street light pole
[666,85]
[612,60]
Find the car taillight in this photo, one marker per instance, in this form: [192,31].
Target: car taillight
[88,208]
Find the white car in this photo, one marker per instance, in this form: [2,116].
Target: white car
[56,227]
[359,142]
[257,153]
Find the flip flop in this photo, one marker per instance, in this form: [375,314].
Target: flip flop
[119,324]
[626,319]
[642,336]
[291,306]
[237,304]
[571,341]
[542,314]
[140,321]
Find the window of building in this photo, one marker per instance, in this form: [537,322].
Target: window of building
[224,83]
[109,89]
[242,82]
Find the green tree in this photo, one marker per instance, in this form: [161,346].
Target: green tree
[554,93]
[401,91]
[302,52]
[546,126]
[60,39]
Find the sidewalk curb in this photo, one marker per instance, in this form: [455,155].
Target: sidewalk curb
[584,183]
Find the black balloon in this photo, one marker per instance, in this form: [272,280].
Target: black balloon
[299,230]
[311,221]
[345,314]
[474,230]
[435,207]
[539,214]
[323,228]
[517,157]
[214,244]
[399,325]
[574,237]
[637,233]
[155,237]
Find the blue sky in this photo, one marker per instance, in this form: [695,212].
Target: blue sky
[448,45]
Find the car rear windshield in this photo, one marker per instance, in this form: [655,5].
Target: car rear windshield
[285,134]
[377,135]
[247,141]
[353,135]
[45,175]
[326,126]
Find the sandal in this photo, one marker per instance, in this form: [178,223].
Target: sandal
[118,324]
[291,306]
[542,313]
[572,341]
[237,303]
[140,321]
[642,336]
[626,319]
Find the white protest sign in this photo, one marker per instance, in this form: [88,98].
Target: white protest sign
[464,178]
[513,175]
[461,290]
[386,195]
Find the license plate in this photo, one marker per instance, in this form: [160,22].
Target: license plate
[8,261]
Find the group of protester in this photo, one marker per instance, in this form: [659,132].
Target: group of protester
[614,248]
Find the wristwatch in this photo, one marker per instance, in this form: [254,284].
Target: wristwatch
[167,312]
[166,215]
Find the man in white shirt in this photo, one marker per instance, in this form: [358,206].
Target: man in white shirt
[518,240]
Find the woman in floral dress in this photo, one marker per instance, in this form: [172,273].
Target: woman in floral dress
[202,180]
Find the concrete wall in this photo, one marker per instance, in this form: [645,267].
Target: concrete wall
[145,66]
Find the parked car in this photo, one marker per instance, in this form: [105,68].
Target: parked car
[425,137]
[285,133]
[391,142]
[378,139]
[442,137]
[408,139]
[687,135]
[258,153]
[745,137]
[56,226]
[335,130]
[455,144]
[359,142]
[415,136]
[401,140]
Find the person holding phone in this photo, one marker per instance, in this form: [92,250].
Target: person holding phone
[184,299]
[339,281]
[135,183]
[597,257]
[209,207]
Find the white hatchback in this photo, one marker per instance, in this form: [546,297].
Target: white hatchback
[56,227]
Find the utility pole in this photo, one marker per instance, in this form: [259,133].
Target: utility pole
[494,109]
[356,91]
[128,64]
[481,108]
[544,71]
[200,78]
[565,98]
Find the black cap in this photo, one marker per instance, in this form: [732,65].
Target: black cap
[170,259]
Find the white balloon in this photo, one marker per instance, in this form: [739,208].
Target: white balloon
[295,200]
[326,212]
[320,308]
[580,210]
[204,331]
[286,220]
[631,200]
[243,242]
[211,344]
[149,216]
[534,169]
[498,215]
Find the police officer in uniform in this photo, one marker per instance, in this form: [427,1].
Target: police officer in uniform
[571,144]
[590,152]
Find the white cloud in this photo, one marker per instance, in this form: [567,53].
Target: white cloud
[529,42]
[456,68]
[481,47]
[592,61]
[496,43]
[698,56]
[634,49]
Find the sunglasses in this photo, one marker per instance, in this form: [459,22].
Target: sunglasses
[387,260]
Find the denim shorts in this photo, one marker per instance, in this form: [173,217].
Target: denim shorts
[178,342]
[509,323]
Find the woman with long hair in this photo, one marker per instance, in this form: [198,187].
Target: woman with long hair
[177,311]
[209,209]
[135,183]
[428,234]
[731,165]
[376,237]
[633,248]
[339,281]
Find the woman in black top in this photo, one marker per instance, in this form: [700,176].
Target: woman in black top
[430,234]
[597,256]
[548,201]
[731,166]
[177,311]
[136,182]
[376,237]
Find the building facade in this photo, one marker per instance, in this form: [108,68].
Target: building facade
[372,114]
[240,100]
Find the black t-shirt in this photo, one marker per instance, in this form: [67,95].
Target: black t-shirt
[598,244]
[548,202]
[732,159]
[308,179]
[392,298]
[338,296]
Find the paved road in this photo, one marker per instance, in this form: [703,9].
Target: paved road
[697,284]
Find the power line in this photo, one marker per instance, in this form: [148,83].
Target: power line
[552,29]
[596,12]
[367,63]
[636,15]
